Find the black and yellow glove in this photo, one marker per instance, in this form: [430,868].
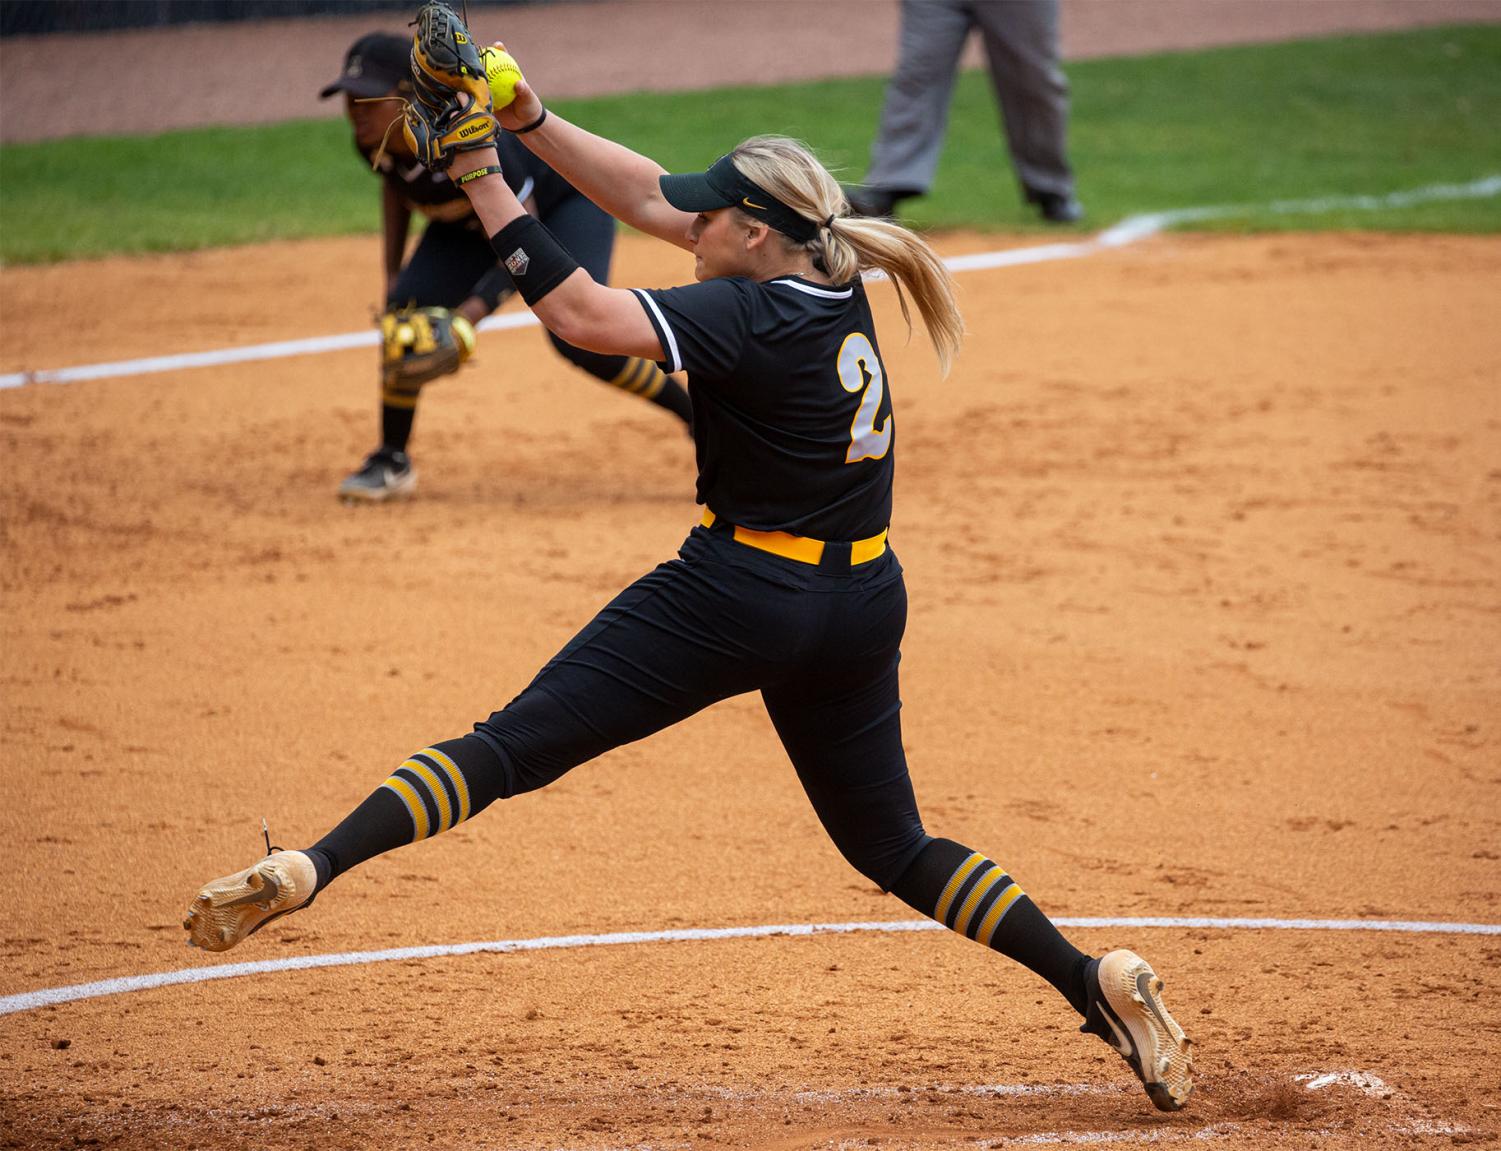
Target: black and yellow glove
[421,344]
[451,105]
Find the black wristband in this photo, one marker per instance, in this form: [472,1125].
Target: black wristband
[533,126]
[534,258]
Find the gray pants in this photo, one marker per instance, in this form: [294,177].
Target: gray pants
[1021,43]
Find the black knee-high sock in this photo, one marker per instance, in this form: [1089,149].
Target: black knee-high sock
[396,426]
[398,409]
[631,374]
[437,788]
[971,895]
[639,377]
[648,381]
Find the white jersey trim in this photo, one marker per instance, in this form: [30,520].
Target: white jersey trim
[809,289]
[673,356]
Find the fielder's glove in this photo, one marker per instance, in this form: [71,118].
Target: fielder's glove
[447,65]
[421,344]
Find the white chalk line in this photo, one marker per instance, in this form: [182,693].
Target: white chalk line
[1205,1134]
[31,1000]
[1364,1082]
[675,1095]
[1129,231]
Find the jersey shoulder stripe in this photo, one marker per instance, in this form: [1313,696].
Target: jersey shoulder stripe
[664,329]
[811,290]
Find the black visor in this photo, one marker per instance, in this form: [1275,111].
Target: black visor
[724,186]
[377,64]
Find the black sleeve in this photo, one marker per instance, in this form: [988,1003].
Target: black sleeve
[495,287]
[702,326]
[519,166]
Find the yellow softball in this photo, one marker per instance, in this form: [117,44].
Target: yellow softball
[464,337]
[503,73]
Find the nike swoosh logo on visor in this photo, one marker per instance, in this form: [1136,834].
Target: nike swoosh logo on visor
[749,203]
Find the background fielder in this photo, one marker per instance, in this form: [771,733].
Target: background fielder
[452,266]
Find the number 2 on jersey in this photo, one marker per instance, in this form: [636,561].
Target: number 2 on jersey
[860,369]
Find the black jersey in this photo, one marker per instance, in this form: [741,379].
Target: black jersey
[436,197]
[791,408]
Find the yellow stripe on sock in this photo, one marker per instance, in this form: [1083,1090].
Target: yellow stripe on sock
[404,400]
[646,369]
[977,893]
[625,379]
[414,804]
[460,784]
[658,378]
[434,785]
[956,881]
[998,909]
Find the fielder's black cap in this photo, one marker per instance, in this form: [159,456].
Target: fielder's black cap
[377,64]
[725,186]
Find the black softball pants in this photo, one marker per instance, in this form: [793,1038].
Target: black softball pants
[452,262]
[820,644]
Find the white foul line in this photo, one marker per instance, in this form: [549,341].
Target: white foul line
[1363,1082]
[1129,231]
[30,1000]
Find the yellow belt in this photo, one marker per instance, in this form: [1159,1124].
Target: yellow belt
[801,548]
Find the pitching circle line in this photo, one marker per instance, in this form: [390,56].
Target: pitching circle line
[1129,231]
[31,1000]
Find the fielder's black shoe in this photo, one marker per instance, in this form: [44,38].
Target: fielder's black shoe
[385,475]
[1056,207]
[1126,1011]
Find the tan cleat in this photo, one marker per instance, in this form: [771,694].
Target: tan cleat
[1126,1011]
[229,909]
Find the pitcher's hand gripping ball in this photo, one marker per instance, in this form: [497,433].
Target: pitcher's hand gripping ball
[451,101]
[421,344]
[503,73]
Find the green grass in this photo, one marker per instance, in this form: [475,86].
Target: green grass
[1241,125]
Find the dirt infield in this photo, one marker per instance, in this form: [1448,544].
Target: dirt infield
[1202,543]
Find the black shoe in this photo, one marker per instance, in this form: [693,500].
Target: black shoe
[867,201]
[1056,207]
[385,475]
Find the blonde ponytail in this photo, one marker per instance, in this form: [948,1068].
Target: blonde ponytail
[847,245]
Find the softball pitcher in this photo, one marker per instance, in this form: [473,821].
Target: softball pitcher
[451,281]
[787,587]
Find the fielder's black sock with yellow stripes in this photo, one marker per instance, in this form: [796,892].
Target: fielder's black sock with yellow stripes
[971,895]
[643,378]
[398,408]
[435,789]
[396,424]
[635,375]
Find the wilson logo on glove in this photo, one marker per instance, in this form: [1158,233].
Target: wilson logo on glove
[451,99]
